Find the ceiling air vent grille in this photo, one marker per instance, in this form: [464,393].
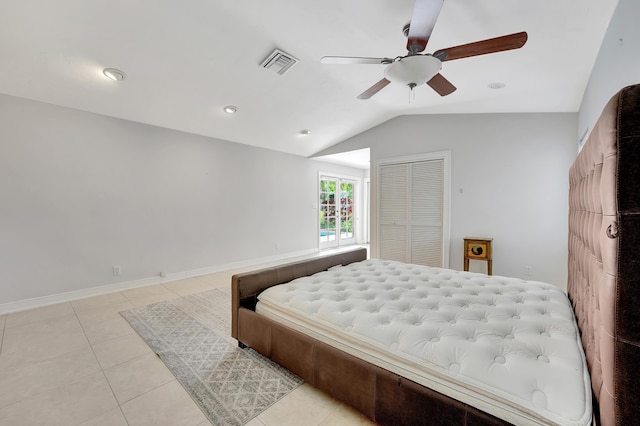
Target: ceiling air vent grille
[279,62]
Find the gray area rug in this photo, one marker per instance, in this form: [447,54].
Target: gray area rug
[192,337]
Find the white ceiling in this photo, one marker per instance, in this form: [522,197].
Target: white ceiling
[186,60]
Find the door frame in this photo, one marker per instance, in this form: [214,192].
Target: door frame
[366,211]
[357,184]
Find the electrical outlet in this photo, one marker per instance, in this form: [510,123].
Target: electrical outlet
[117,271]
[528,270]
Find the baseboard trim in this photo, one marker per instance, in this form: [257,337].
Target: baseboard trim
[38,302]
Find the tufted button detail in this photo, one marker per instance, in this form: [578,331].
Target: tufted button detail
[543,358]
[509,336]
[499,359]
[454,368]
[434,339]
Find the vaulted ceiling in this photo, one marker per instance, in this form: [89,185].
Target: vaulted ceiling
[186,60]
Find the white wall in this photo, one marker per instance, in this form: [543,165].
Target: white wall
[617,65]
[80,193]
[512,170]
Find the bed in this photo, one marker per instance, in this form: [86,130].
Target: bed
[603,321]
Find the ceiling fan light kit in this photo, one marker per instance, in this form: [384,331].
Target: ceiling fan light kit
[415,68]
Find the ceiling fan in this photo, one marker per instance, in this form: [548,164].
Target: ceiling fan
[417,68]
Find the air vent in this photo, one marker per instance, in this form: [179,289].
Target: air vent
[279,62]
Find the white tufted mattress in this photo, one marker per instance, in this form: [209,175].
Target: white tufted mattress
[503,345]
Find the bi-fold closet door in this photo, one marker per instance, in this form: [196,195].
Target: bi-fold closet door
[413,210]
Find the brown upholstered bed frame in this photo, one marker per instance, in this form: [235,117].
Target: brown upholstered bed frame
[604,287]
[379,394]
[604,257]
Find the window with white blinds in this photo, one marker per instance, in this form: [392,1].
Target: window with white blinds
[412,212]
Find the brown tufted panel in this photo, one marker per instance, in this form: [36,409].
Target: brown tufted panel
[604,264]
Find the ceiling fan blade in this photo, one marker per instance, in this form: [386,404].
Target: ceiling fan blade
[423,19]
[374,89]
[492,45]
[346,60]
[441,85]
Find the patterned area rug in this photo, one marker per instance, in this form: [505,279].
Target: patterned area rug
[192,337]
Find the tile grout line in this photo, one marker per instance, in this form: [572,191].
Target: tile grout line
[120,404]
[59,386]
[175,379]
[178,296]
[100,366]
[329,414]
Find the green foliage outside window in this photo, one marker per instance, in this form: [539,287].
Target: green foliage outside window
[328,192]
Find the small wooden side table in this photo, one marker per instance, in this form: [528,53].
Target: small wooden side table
[478,249]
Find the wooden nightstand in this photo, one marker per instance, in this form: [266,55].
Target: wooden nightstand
[478,249]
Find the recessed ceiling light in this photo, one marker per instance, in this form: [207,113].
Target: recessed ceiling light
[114,74]
[305,132]
[230,109]
[497,86]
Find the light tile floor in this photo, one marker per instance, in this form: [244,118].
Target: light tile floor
[80,363]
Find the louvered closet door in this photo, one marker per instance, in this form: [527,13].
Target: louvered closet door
[427,180]
[393,212]
[411,212]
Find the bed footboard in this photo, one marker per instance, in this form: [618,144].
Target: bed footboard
[245,287]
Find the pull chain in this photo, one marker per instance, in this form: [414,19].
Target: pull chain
[412,95]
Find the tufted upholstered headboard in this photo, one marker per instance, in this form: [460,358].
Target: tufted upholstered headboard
[604,257]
